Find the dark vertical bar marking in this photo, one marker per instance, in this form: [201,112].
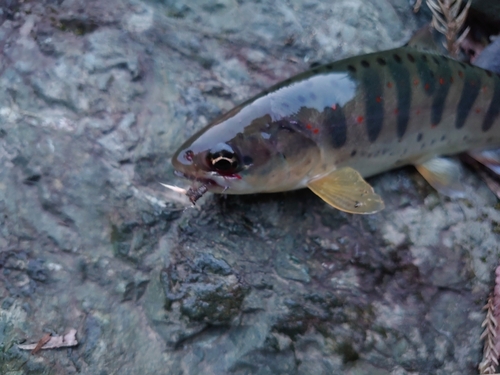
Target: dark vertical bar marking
[442,89]
[374,116]
[494,108]
[470,91]
[334,121]
[426,74]
[401,77]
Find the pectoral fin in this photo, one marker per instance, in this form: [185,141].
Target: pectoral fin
[347,191]
[443,175]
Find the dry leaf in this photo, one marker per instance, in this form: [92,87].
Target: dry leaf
[54,342]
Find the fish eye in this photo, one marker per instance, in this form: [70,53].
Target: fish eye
[224,160]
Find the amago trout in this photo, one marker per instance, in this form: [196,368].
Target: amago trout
[329,127]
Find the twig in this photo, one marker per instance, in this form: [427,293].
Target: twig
[45,339]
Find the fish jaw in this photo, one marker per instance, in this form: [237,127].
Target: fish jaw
[190,167]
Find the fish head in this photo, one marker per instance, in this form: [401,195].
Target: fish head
[249,150]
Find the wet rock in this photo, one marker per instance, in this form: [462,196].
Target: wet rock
[96,98]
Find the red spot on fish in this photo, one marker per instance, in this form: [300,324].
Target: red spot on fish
[473,83]
[461,74]
[478,110]
[378,99]
[441,81]
[451,79]
[309,126]
[418,111]
[485,88]
[434,126]
[237,176]
[416,82]
[360,119]
[396,111]
[334,107]
[427,86]
[389,84]
[316,131]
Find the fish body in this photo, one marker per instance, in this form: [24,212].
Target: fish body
[331,126]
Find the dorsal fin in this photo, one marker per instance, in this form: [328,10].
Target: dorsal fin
[424,40]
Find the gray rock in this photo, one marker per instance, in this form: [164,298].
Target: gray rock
[96,97]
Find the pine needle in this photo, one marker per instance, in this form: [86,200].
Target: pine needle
[490,355]
[491,333]
[448,17]
[417,5]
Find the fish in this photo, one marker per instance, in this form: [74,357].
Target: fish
[329,128]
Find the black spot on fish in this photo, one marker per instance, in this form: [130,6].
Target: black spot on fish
[465,138]
[463,65]
[470,91]
[365,63]
[424,58]
[493,109]
[285,105]
[351,68]
[436,61]
[247,160]
[410,57]
[397,58]
[419,137]
[312,96]
[488,73]
[433,141]
[301,99]
[353,153]
[381,61]
[335,122]
[330,66]
[423,146]
[443,138]
[374,116]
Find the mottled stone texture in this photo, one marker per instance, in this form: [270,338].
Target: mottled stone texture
[96,96]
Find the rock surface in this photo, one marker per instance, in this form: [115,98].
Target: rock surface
[97,95]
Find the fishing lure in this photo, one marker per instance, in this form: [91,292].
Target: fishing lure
[332,126]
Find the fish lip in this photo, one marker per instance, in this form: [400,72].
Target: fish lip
[205,181]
